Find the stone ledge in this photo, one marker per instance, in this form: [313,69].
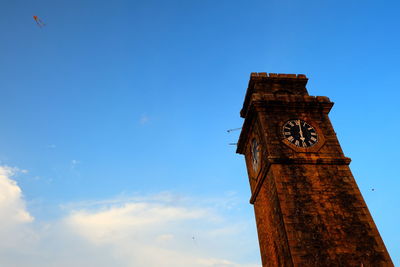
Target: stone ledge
[258,75]
[278,160]
[289,98]
[315,161]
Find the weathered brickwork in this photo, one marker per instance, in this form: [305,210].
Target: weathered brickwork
[274,250]
[309,210]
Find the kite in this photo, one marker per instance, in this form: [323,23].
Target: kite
[39,22]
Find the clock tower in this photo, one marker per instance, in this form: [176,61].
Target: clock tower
[308,208]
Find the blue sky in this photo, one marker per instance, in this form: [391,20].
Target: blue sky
[117,111]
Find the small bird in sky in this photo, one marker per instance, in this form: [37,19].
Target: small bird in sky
[39,22]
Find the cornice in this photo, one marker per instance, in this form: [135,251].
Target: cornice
[293,161]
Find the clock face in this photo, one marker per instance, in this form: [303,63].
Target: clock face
[255,154]
[300,133]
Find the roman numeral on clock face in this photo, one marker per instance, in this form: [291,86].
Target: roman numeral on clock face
[300,133]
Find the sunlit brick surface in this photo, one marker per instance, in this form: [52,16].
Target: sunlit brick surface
[309,210]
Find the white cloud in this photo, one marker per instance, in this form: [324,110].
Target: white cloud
[74,163]
[12,205]
[144,119]
[15,219]
[74,166]
[158,232]
[141,231]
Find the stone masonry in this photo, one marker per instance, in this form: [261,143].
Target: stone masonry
[308,208]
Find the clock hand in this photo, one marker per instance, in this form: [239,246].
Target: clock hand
[301,132]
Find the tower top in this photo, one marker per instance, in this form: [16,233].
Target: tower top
[274,84]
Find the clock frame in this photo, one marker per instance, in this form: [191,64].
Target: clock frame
[315,148]
[300,133]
